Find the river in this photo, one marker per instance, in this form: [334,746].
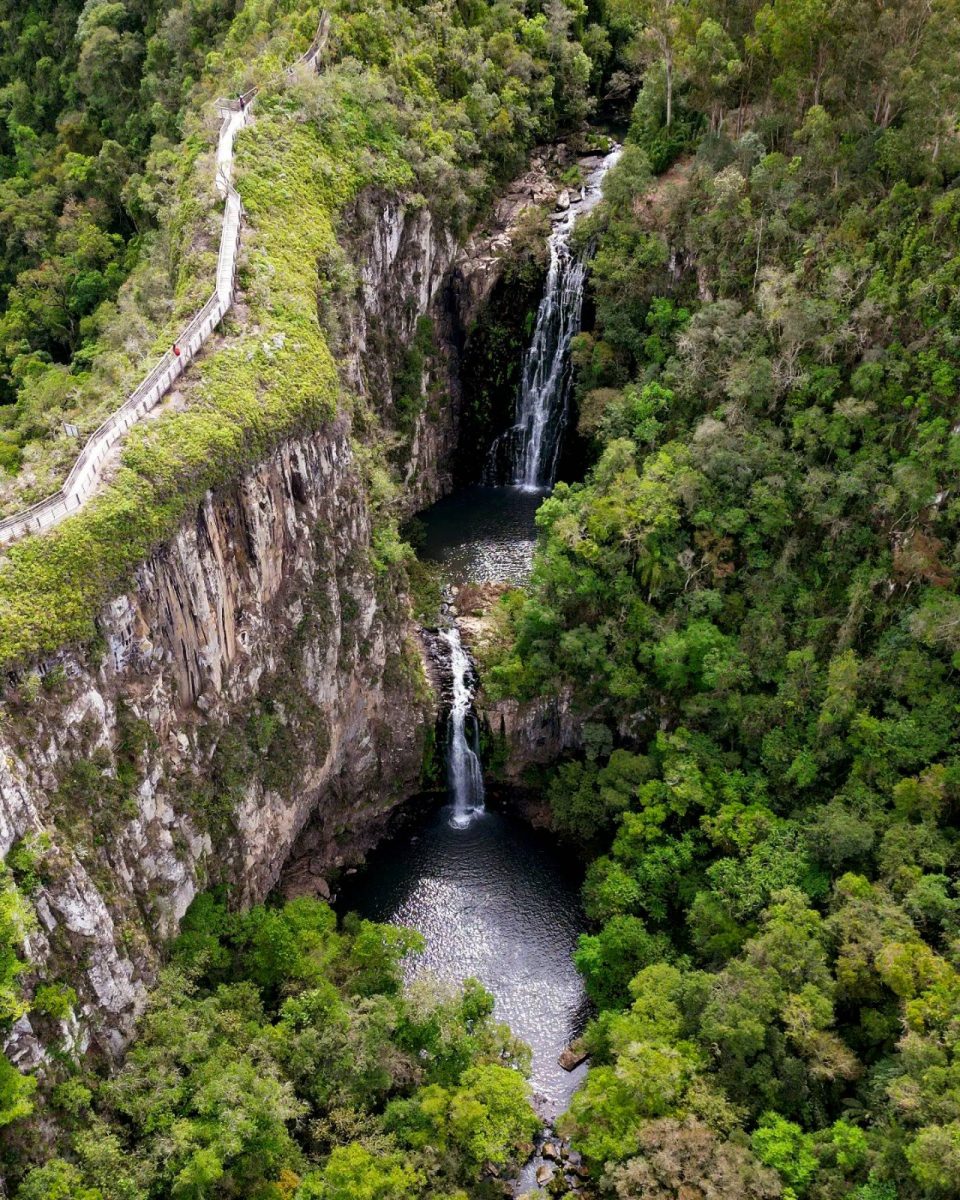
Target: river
[495,899]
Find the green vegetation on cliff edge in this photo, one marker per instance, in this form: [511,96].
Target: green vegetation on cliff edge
[436,103]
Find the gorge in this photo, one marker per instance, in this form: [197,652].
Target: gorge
[261,613]
[524,637]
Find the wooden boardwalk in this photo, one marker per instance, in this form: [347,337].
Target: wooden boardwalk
[87,472]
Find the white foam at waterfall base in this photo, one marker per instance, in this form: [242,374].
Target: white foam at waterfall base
[532,445]
[465,775]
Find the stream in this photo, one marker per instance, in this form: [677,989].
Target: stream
[495,899]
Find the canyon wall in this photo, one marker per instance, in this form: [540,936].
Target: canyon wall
[405,256]
[258,673]
[259,686]
[259,682]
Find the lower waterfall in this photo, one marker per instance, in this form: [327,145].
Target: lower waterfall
[463,758]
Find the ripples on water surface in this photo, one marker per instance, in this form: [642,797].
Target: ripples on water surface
[483,534]
[497,901]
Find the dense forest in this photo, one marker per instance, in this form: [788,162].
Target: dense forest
[274,1021]
[750,603]
[279,1055]
[92,98]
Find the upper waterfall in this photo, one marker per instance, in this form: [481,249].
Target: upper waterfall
[527,454]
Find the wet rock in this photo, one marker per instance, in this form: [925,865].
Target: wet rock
[550,1151]
[572,1057]
[544,1174]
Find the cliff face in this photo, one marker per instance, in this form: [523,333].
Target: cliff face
[258,689]
[531,734]
[405,258]
[411,267]
[257,673]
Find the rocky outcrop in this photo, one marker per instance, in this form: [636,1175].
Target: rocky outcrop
[257,675]
[531,733]
[405,256]
[520,734]
[481,263]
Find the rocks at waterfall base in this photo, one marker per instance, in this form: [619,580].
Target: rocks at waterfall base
[573,1056]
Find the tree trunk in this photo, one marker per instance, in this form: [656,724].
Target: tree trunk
[668,60]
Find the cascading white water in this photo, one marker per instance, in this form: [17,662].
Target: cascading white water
[463,760]
[532,447]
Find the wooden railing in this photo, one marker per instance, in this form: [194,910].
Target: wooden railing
[86,472]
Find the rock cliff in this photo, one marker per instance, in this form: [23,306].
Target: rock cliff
[257,674]
[258,688]
[405,257]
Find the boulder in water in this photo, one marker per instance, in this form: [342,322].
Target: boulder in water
[573,1056]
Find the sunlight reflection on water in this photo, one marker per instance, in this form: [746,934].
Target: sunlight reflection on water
[483,534]
[495,901]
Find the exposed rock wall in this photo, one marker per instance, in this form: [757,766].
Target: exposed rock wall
[410,266]
[257,674]
[405,257]
[258,687]
[530,734]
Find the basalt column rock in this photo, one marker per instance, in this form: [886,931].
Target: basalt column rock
[257,673]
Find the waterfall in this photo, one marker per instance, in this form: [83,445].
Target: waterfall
[463,760]
[528,452]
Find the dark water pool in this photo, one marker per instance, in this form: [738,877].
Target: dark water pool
[482,534]
[497,901]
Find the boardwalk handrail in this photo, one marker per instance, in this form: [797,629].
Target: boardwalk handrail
[84,475]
